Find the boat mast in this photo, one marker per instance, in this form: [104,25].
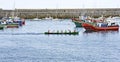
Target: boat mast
[13,14]
[84,11]
[37,14]
[57,10]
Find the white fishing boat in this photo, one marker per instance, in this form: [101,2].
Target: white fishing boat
[36,19]
[48,18]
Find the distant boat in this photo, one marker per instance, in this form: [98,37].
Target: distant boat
[48,18]
[104,27]
[56,19]
[36,19]
[19,20]
[9,25]
[12,22]
[12,25]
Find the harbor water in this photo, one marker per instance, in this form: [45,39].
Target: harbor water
[29,44]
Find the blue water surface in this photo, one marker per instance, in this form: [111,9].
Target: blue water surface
[29,44]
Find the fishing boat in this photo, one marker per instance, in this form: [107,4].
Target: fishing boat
[12,22]
[12,25]
[36,19]
[103,27]
[78,23]
[19,21]
[48,18]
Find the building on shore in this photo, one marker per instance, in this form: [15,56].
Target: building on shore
[60,13]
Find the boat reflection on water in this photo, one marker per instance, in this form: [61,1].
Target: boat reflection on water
[101,32]
[79,29]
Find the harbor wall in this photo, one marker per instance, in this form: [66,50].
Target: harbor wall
[60,13]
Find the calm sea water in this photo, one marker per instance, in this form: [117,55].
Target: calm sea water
[28,44]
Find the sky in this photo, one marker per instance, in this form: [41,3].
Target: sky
[58,4]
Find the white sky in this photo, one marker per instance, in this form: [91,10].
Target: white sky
[9,4]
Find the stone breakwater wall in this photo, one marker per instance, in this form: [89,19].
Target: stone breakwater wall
[60,13]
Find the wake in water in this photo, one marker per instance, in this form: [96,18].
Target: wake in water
[21,33]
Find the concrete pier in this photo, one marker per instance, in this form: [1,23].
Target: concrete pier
[60,13]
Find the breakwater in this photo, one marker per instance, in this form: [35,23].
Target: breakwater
[60,13]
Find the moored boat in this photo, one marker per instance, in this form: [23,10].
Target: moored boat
[13,25]
[12,22]
[19,20]
[106,27]
[78,23]
[48,18]
[36,19]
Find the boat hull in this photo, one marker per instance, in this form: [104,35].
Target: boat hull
[11,26]
[1,27]
[89,27]
[15,25]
